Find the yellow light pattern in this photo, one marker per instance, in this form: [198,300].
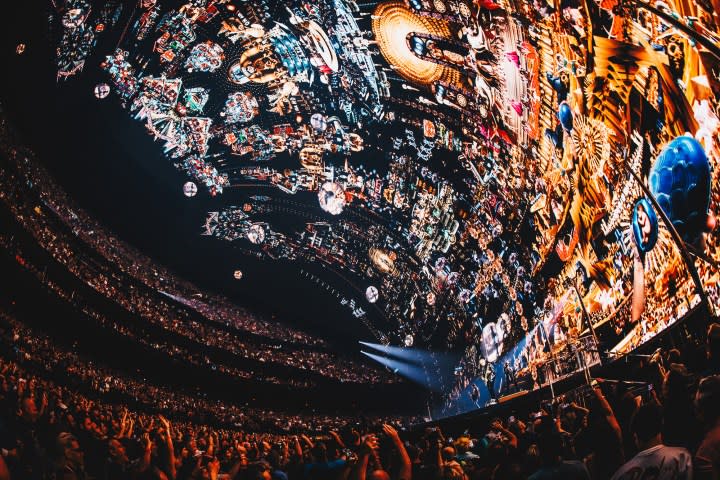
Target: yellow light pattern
[392,22]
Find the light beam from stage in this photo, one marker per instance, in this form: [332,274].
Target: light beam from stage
[413,372]
[412,355]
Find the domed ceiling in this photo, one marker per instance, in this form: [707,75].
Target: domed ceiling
[456,175]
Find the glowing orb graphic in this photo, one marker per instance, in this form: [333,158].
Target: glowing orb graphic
[372,294]
[318,122]
[680,180]
[430,299]
[464,296]
[332,198]
[256,234]
[102,90]
[190,189]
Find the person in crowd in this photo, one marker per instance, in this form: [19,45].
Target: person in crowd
[489,377]
[680,427]
[707,401]
[70,463]
[603,436]
[26,431]
[462,447]
[4,472]
[713,350]
[510,377]
[475,395]
[117,464]
[553,464]
[673,356]
[654,459]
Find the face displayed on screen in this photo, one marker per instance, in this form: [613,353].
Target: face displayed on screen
[644,223]
[644,226]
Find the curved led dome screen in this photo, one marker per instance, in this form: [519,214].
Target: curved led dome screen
[502,183]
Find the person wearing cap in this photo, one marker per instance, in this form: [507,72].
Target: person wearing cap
[707,403]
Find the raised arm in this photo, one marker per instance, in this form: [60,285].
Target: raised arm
[512,439]
[285,452]
[241,462]
[368,447]
[123,425]
[43,404]
[4,472]
[147,452]
[297,447]
[405,465]
[307,440]
[169,444]
[211,445]
[608,412]
[337,438]
[131,427]
[580,409]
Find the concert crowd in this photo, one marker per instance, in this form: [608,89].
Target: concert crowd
[64,416]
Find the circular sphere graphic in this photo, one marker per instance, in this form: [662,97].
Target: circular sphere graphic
[680,181]
[644,225]
[318,122]
[492,341]
[408,340]
[430,298]
[236,74]
[237,274]
[190,189]
[256,234]
[102,90]
[565,116]
[332,198]
[464,296]
[372,294]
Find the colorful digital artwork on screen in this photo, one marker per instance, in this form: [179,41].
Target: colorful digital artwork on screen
[510,183]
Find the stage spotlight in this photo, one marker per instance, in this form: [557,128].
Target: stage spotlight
[412,372]
[412,355]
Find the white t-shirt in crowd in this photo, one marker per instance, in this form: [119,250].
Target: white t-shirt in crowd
[659,463]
